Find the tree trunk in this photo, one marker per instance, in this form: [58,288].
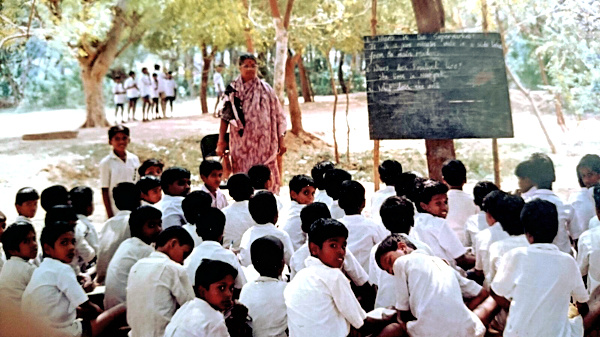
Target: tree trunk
[335,100]
[207,59]
[304,82]
[189,70]
[345,90]
[281,46]
[560,118]
[292,93]
[94,98]
[248,30]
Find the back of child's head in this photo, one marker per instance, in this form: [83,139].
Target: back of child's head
[146,183]
[542,170]
[298,182]
[408,184]
[140,216]
[263,207]
[540,220]
[311,213]
[390,244]
[54,195]
[397,214]
[505,209]
[210,224]
[318,173]
[428,189]
[26,194]
[151,163]
[324,229]
[60,213]
[590,162]
[524,169]
[207,166]
[454,173]
[15,234]
[82,198]
[171,175]
[127,196]
[481,189]
[267,256]
[240,187]
[389,172]
[174,232]
[352,197]
[194,204]
[259,176]
[212,271]
[114,130]
[52,231]
[333,182]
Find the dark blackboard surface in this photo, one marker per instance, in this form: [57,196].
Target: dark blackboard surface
[437,86]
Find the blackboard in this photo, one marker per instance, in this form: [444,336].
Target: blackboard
[437,86]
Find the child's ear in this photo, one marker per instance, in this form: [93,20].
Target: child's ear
[423,205]
[200,292]
[47,249]
[293,195]
[313,248]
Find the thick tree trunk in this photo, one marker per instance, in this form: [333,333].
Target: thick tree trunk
[94,98]
[304,82]
[292,93]
[189,70]
[207,59]
[248,30]
[335,100]
[281,46]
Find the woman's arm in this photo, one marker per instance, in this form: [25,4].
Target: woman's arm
[221,143]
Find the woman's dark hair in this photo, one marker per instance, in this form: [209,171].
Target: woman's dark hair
[245,57]
[592,162]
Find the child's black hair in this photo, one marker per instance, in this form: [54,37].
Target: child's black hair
[174,232]
[209,165]
[259,176]
[195,204]
[390,171]
[2,217]
[54,195]
[26,194]
[14,235]
[427,189]
[325,229]
[210,224]
[113,130]
[267,256]
[318,173]
[397,214]
[60,213]
[540,220]
[506,209]
[131,73]
[82,197]
[300,181]
[263,207]
[542,169]
[596,195]
[245,57]
[146,183]
[148,163]
[407,186]
[127,196]
[140,216]
[590,161]
[240,187]
[171,175]
[481,189]
[212,271]
[454,173]
[311,213]
[352,197]
[524,169]
[52,231]
[390,244]
[333,182]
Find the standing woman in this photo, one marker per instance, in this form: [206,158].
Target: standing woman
[261,122]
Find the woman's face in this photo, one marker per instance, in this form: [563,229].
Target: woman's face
[248,70]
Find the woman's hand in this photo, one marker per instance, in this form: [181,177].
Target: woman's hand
[221,145]
[282,148]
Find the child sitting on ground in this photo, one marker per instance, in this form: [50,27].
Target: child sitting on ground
[151,167]
[158,284]
[193,205]
[237,216]
[175,183]
[2,227]
[588,175]
[118,167]
[116,229]
[302,193]
[211,173]
[524,172]
[460,203]
[26,204]
[264,296]
[82,200]
[333,182]
[318,174]
[263,208]
[389,174]
[20,245]
[260,176]
[202,316]
[150,190]
[537,282]
[588,257]
[145,225]
[54,195]
[476,223]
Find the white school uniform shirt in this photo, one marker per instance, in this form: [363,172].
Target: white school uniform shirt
[22,218]
[588,257]
[568,224]
[292,224]
[277,199]
[594,222]
[90,233]
[529,195]
[320,302]
[237,221]
[53,295]
[172,213]
[475,224]
[145,84]
[196,318]
[258,231]
[377,200]
[155,288]
[14,278]
[266,305]
[130,251]
[497,251]
[219,200]
[218,82]
[119,93]
[114,231]
[460,208]
[170,87]
[132,92]
[483,240]
[584,206]
[540,280]
[154,89]
[351,266]
[214,251]
[436,234]
[321,196]
[433,292]
[113,171]
[363,234]
[191,228]
[336,211]
[84,252]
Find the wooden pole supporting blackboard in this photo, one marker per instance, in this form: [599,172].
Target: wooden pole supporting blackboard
[376,141]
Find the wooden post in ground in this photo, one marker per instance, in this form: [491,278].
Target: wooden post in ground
[375,141]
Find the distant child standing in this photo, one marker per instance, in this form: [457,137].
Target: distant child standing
[170,91]
[145,88]
[2,227]
[155,97]
[476,223]
[318,174]
[119,98]
[26,204]
[460,203]
[119,166]
[211,173]
[133,94]
[389,173]
[219,84]
[20,245]
[302,193]
[175,183]
[238,218]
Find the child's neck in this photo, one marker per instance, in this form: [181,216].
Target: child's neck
[212,191]
[353,212]
[121,155]
[458,188]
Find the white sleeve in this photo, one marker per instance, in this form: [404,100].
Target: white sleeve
[354,270]
[288,248]
[583,253]
[68,285]
[85,251]
[346,302]
[468,288]
[579,293]
[171,220]
[574,224]
[504,281]
[244,255]
[179,283]
[401,286]
[105,173]
[450,242]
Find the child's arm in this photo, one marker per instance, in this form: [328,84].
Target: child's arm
[466,261]
[502,302]
[106,200]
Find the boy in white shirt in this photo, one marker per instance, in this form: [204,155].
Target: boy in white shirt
[120,96]
[151,167]
[82,200]
[116,229]
[260,177]
[26,203]
[133,93]
[460,203]
[476,223]
[2,227]
[145,88]
[333,183]
[20,245]
[302,193]
[588,175]
[145,225]
[211,173]
[175,183]
[119,166]
[150,190]
[263,208]
[588,252]
[158,284]
[219,85]
[193,205]
[238,218]
[318,175]
[389,173]
[170,91]
[537,282]
[524,172]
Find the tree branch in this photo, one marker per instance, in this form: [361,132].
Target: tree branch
[288,13]
[12,37]
[31,15]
